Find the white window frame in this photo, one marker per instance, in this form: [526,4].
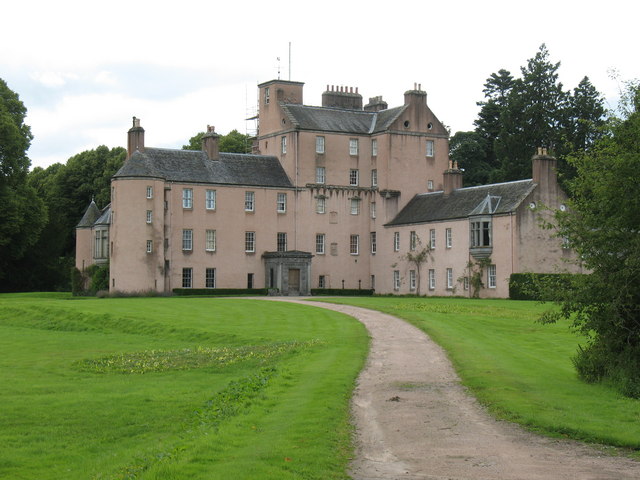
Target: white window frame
[281,203]
[374,177]
[149,246]
[210,199]
[149,216]
[267,95]
[249,242]
[283,144]
[413,240]
[210,241]
[396,280]
[374,242]
[449,278]
[374,147]
[481,232]
[430,148]
[187,240]
[319,144]
[187,198]
[321,205]
[412,280]
[281,242]
[321,175]
[210,277]
[396,241]
[149,191]
[448,238]
[491,277]
[187,277]
[320,243]
[432,279]
[373,209]
[432,238]
[430,185]
[354,177]
[322,281]
[355,206]
[353,146]
[354,244]
[249,201]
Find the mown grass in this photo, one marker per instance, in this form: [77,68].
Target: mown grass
[521,370]
[174,388]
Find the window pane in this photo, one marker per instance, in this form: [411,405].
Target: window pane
[187,198]
[249,200]
[320,243]
[210,202]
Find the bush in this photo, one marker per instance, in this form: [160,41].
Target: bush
[350,292]
[538,286]
[220,291]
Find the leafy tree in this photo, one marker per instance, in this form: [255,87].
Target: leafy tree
[233,142]
[469,150]
[22,212]
[603,226]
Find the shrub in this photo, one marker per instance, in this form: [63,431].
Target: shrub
[220,291]
[538,286]
[350,292]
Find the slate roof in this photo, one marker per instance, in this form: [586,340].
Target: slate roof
[191,166]
[94,216]
[340,120]
[90,216]
[498,198]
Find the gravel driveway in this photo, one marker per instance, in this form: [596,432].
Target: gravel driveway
[414,420]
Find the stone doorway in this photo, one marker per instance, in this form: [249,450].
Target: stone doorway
[288,273]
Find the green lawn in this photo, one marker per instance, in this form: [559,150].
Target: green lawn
[520,369]
[174,388]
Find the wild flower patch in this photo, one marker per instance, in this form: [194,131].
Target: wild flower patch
[149,361]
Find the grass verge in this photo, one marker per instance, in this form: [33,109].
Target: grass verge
[521,370]
[174,388]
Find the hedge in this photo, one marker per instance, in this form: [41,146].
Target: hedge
[538,286]
[220,291]
[350,292]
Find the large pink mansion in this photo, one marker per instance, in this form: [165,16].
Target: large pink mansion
[336,196]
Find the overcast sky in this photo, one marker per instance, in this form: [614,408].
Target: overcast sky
[84,68]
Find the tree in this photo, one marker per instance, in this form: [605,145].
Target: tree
[22,213]
[418,257]
[518,115]
[233,142]
[533,116]
[66,189]
[603,226]
[469,150]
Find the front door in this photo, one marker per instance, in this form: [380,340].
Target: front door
[294,281]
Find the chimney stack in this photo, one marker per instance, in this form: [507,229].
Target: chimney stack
[135,138]
[544,169]
[342,97]
[452,178]
[210,143]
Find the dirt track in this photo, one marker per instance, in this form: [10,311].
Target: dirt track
[414,421]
